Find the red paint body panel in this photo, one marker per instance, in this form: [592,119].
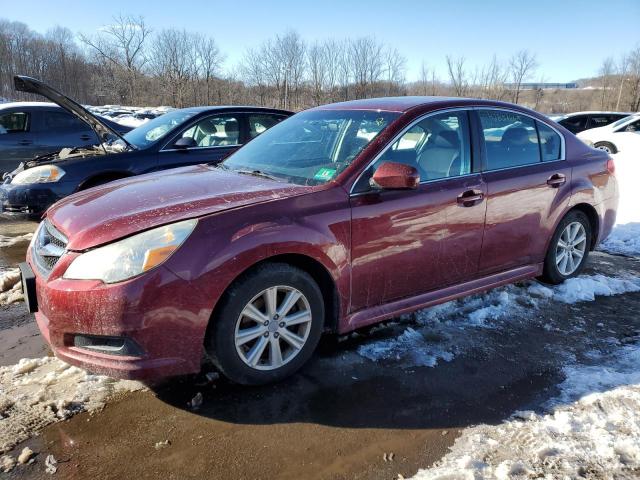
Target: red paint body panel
[387,252]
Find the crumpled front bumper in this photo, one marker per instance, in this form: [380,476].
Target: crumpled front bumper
[31,200]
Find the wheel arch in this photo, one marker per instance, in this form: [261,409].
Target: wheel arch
[592,215]
[594,220]
[311,266]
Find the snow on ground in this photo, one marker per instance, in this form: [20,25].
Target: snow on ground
[10,286]
[130,121]
[591,430]
[37,392]
[625,238]
[6,241]
[436,335]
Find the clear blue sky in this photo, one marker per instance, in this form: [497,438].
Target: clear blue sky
[570,38]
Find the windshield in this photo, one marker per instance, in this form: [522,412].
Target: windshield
[158,128]
[311,147]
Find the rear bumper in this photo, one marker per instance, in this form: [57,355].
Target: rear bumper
[29,201]
[157,312]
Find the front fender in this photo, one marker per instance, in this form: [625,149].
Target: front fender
[225,245]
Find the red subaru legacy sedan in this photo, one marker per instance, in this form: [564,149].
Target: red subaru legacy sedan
[339,217]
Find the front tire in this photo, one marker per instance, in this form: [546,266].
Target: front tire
[268,325]
[606,146]
[569,248]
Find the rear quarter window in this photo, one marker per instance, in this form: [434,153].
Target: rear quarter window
[550,143]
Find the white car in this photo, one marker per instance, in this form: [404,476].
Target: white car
[614,137]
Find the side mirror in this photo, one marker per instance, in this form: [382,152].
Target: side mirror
[184,143]
[395,176]
[630,128]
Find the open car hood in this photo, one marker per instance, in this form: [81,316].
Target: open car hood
[104,132]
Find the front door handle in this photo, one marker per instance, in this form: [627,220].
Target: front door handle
[25,142]
[470,198]
[85,138]
[556,180]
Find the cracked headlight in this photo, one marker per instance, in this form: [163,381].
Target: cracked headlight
[132,256]
[40,174]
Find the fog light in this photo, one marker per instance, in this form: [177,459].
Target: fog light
[123,346]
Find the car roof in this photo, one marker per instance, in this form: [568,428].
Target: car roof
[596,112]
[29,105]
[236,108]
[403,104]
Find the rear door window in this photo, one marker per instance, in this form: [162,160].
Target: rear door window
[510,139]
[62,122]
[14,122]
[596,121]
[575,124]
[215,131]
[261,122]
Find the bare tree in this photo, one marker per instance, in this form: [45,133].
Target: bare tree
[210,61]
[606,73]
[317,71]
[367,65]
[458,75]
[396,66]
[522,65]
[122,44]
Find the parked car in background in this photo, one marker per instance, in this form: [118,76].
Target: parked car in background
[337,218]
[181,137]
[31,129]
[580,121]
[614,137]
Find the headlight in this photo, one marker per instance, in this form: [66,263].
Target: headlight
[131,256]
[40,174]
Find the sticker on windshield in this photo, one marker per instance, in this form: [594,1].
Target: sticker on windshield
[325,174]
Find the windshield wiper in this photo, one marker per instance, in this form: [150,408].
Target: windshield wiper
[257,173]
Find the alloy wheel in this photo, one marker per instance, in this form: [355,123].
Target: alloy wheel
[273,327]
[604,148]
[571,248]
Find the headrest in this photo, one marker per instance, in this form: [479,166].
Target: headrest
[231,128]
[516,136]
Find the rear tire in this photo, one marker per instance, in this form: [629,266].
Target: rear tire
[267,326]
[569,248]
[606,146]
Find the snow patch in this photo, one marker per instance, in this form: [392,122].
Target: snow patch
[10,286]
[586,288]
[37,392]
[595,436]
[437,334]
[6,241]
[624,240]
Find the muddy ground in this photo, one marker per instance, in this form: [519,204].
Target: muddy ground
[341,414]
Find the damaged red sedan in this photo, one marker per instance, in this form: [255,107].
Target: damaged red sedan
[339,217]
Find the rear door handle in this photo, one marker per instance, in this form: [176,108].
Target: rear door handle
[85,138]
[556,180]
[470,198]
[25,142]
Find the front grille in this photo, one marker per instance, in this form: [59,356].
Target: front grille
[48,246]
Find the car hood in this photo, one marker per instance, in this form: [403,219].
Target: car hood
[104,132]
[125,207]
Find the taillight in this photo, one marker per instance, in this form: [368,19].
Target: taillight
[611,166]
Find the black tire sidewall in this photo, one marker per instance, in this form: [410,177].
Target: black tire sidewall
[551,273]
[221,342]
